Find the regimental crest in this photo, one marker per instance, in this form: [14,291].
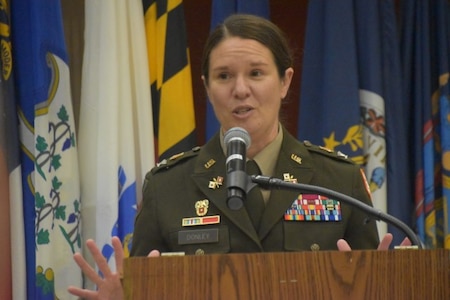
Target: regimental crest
[201,207]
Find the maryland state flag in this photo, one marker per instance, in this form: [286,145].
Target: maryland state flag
[426,48]
[350,78]
[220,10]
[170,77]
[51,189]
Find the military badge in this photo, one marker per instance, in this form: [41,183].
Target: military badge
[296,158]
[289,178]
[312,207]
[201,207]
[209,163]
[215,183]
[194,221]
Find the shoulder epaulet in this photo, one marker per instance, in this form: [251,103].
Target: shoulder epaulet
[327,152]
[175,159]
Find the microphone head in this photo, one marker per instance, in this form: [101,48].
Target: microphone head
[237,133]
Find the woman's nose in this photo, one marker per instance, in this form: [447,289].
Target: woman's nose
[241,88]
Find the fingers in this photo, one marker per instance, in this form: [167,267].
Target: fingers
[87,269]
[100,260]
[107,285]
[406,242]
[118,254]
[83,294]
[343,245]
[385,242]
[154,253]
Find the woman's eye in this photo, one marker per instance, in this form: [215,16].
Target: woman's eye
[256,73]
[224,76]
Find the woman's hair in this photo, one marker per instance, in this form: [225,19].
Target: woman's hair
[250,27]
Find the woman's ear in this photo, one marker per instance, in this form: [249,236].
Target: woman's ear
[286,82]
[205,84]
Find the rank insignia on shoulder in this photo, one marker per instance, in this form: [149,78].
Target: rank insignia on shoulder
[339,153]
[326,149]
[161,163]
[313,207]
[175,156]
[330,153]
[174,160]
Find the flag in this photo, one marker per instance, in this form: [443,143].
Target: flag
[12,260]
[220,10]
[115,132]
[425,49]
[329,102]
[5,247]
[51,191]
[400,197]
[348,78]
[170,77]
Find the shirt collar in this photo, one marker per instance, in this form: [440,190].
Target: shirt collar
[267,157]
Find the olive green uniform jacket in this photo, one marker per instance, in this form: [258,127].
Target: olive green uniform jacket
[173,189]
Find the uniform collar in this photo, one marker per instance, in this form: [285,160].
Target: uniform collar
[267,157]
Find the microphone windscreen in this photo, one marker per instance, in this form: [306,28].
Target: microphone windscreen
[237,133]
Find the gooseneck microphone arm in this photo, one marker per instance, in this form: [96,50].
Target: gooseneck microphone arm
[270,183]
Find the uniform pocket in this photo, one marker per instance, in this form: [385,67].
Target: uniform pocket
[307,235]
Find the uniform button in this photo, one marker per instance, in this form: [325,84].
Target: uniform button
[199,252]
[307,143]
[315,247]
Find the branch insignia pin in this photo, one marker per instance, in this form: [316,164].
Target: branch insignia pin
[289,178]
[215,183]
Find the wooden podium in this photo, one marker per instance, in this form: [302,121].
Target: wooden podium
[394,274]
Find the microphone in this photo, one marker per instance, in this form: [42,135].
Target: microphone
[237,141]
[270,182]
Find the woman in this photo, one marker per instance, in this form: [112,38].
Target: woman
[247,71]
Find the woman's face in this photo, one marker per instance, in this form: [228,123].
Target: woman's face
[245,89]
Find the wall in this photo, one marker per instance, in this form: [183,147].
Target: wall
[289,15]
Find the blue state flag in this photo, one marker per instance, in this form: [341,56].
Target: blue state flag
[400,199]
[220,10]
[51,190]
[350,73]
[426,67]
[329,102]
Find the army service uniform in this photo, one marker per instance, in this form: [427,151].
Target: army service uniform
[184,207]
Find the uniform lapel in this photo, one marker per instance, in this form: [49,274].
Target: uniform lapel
[209,165]
[295,160]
